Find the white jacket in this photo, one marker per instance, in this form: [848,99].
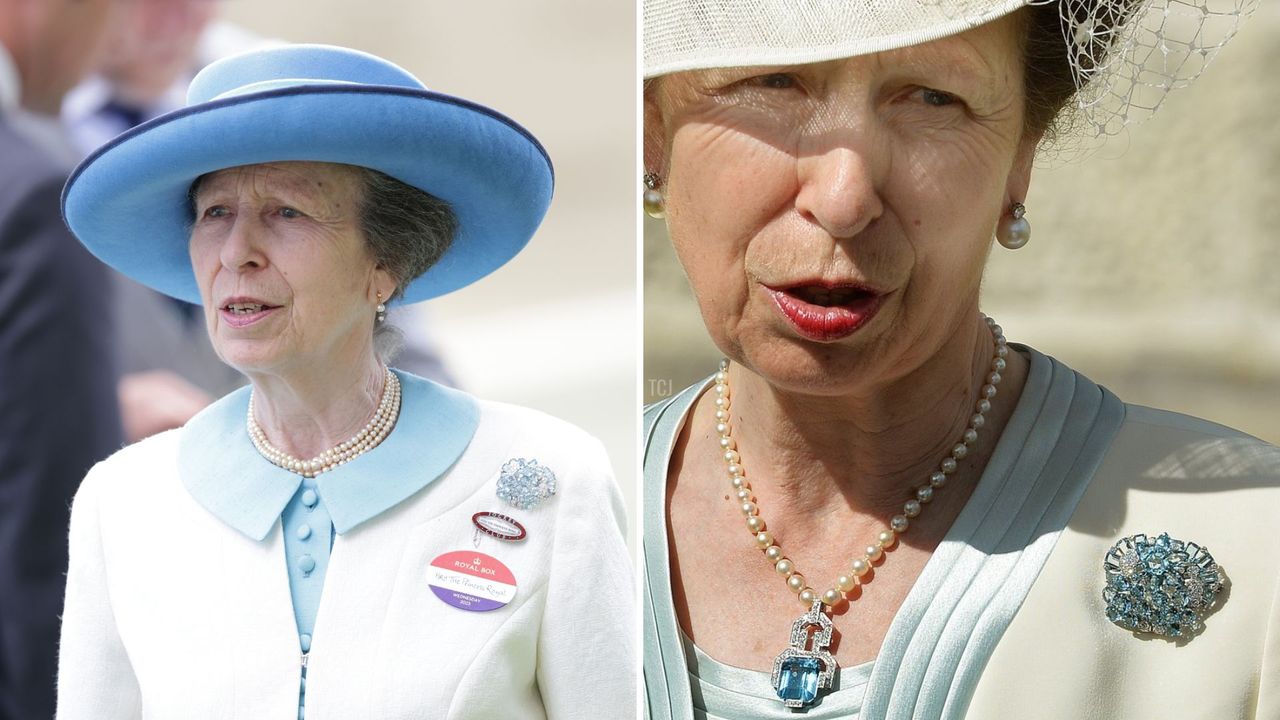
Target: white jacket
[173,613]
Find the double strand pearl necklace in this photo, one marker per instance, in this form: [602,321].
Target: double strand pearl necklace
[373,433]
[898,524]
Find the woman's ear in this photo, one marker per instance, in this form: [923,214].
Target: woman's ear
[655,138]
[383,283]
[1019,182]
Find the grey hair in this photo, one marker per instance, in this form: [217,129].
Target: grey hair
[408,230]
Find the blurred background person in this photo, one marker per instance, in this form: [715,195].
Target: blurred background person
[57,401]
[154,49]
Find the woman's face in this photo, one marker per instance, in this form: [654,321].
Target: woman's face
[285,274]
[834,218]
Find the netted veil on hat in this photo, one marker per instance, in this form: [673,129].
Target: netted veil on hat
[1126,55]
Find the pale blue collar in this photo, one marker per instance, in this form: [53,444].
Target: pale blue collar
[225,474]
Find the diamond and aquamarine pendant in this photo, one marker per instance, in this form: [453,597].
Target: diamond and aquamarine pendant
[807,665]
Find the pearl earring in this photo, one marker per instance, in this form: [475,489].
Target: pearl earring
[381,310]
[653,204]
[1014,231]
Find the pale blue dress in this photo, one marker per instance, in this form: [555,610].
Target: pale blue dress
[938,643]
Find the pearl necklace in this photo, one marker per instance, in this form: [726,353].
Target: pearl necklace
[898,524]
[373,433]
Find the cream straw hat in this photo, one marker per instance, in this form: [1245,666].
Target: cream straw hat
[1126,55]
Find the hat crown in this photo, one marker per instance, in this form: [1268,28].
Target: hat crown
[295,65]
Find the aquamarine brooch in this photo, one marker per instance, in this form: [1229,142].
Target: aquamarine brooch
[1160,585]
[525,483]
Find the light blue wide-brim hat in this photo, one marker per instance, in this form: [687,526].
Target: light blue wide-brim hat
[128,201]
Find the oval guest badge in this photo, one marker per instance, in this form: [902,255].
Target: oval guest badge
[472,581]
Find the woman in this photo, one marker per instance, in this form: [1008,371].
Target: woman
[877,507]
[340,539]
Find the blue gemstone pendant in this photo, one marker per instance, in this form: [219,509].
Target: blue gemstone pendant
[799,682]
[806,667]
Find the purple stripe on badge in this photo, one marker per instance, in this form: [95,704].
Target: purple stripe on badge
[463,601]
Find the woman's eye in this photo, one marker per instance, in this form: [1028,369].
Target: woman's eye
[289,213]
[217,211]
[775,81]
[744,81]
[937,98]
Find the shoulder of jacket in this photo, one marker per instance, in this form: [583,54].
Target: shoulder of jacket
[533,426]
[577,458]
[1170,449]
[1176,422]
[1247,451]
[138,467]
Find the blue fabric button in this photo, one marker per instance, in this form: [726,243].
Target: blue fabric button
[305,640]
[306,563]
[799,679]
[304,531]
[309,498]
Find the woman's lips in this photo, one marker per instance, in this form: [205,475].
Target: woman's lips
[825,313]
[242,318]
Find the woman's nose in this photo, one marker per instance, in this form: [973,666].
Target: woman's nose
[241,248]
[840,189]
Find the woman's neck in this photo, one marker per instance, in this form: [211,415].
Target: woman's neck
[866,451]
[306,413]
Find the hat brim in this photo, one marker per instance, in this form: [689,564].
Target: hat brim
[128,201]
[680,35]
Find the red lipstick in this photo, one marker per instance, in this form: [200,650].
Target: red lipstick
[826,312]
